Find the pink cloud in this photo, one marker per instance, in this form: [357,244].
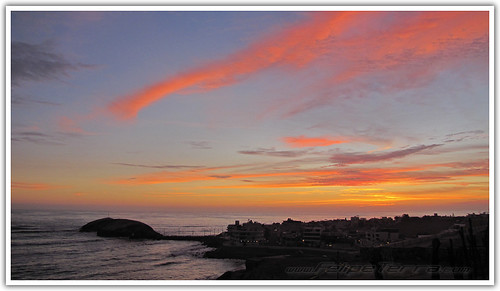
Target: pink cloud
[69,125]
[304,141]
[296,46]
[401,55]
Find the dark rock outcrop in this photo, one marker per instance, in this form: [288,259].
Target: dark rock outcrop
[109,227]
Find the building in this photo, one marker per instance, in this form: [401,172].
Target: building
[312,235]
[247,233]
[290,232]
[354,221]
[378,236]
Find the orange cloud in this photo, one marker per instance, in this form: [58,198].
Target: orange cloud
[426,41]
[415,175]
[297,45]
[201,175]
[405,54]
[304,141]
[421,35]
[34,186]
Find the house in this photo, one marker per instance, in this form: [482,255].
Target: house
[247,233]
[378,236]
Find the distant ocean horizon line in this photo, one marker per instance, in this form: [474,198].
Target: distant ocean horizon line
[247,214]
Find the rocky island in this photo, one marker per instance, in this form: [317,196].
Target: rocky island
[109,227]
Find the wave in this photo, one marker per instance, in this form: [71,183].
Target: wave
[196,250]
[51,242]
[22,226]
[41,231]
[167,263]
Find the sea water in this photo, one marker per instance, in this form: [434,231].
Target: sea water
[46,245]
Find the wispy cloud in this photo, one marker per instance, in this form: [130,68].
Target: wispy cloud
[35,137]
[411,49]
[18,100]
[202,145]
[158,166]
[465,135]
[274,153]
[474,132]
[39,62]
[69,126]
[304,141]
[296,45]
[422,175]
[272,177]
[35,186]
[221,176]
[426,42]
[410,176]
[359,158]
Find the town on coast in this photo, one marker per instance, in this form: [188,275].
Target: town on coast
[403,247]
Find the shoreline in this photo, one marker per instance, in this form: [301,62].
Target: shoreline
[272,262]
[334,261]
[302,263]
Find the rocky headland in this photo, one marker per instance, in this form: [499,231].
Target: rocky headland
[109,227]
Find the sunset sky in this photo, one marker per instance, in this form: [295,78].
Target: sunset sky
[355,113]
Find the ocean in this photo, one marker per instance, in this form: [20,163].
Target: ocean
[46,245]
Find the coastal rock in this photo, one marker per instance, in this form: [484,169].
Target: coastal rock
[109,227]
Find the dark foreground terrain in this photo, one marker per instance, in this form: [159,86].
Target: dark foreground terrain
[267,263]
[453,257]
